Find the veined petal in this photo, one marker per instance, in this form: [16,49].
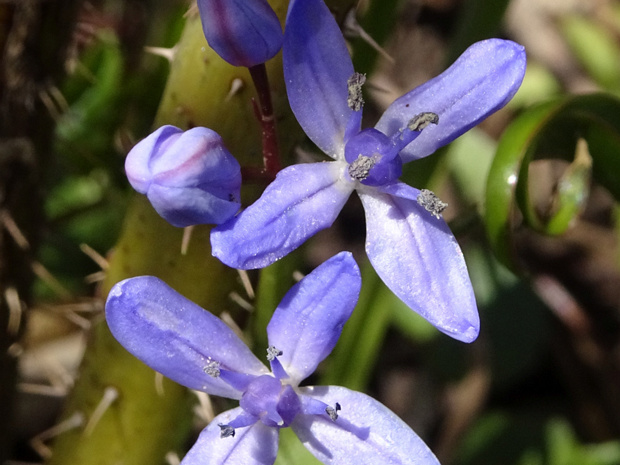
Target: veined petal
[317,66]
[480,82]
[365,433]
[418,258]
[242,32]
[198,156]
[175,336]
[302,200]
[253,445]
[139,159]
[308,322]
[185,206]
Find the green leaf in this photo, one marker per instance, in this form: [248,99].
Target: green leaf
[596,49]
[550,130]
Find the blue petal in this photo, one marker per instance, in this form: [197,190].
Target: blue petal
[308,322]
[317,66]
[189,177]
[175,336]
[186,206]
[418,258]
[252,445]
[480,82]
[365,432]
[302,200]
[138,161]
[242,32]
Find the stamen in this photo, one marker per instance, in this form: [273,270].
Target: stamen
[272,353]
[212,369]
[226,431]
[333,412]
[422,120]
[360,168]
[354,85]
[431,203]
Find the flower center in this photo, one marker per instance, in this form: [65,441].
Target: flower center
[372,158]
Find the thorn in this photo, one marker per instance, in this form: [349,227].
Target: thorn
[15,310]
[49,279]
[110,394]
[187,235]
[167,53]
[94,256]
[172,458]
[226,318]
[95,277]
[236,298]
[352,28]
[159,384]
[11,227]
[37,443]
[247,284]
[204,409]
[42,389]
[236,86]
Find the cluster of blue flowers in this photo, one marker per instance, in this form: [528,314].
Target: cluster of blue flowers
[191,178]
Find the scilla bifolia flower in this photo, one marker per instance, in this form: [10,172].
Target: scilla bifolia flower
[192,347]
[242,32]
[188,176]
[407,240]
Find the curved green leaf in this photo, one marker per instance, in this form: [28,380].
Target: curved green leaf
[551,130]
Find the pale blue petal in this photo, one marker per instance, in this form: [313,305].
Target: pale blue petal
[139,158]
[186,206]
[365,432]
[308,322]
[197,157]
[189,177]
[481,81]
[253,445]
[242,32]
[176,337]
[302,200]
[418,258]
[317,67]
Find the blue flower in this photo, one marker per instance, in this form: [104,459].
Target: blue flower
[407,241]
[242,32]
[192,347]
[189,177]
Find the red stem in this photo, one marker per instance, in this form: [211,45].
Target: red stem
[264,113]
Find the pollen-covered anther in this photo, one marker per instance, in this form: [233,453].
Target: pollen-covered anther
[273,352]
[212,369]
[226,431]
[422,120]
[360,168]
[354,85]
[431,203]
[333,411]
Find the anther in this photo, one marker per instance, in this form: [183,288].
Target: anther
[431,203]
[333,411]
[422,120]
[212,369]
[354,85]
[272,353]
[360,168]
[226,431]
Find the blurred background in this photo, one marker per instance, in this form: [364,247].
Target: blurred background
[533,195]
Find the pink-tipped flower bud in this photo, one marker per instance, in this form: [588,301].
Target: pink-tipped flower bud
[242,32]
[188,176]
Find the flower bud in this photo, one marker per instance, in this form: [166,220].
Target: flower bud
[242,32]
[188,176]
